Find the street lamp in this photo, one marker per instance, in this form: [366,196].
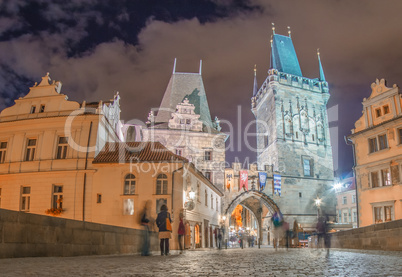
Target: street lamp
[318,202]
[191,195]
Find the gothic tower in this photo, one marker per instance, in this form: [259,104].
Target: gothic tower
[293,134]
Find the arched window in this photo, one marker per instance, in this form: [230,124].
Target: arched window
[161,184]
[206,198]
[129,184]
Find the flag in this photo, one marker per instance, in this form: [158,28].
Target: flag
[277,184]
[243,179]
[262,176]
[229,179]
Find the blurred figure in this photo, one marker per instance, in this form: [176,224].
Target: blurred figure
[219,238]
[163,221]
[324,238]
[277,221]
[145,222]
[287,234]
[180,232]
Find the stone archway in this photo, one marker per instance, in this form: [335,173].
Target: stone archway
[254,201]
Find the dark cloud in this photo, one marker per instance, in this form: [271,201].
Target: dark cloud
[98,47]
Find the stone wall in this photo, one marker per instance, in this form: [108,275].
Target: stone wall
[382,236]
[31,235]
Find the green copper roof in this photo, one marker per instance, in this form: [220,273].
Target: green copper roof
[283,55]
[181,86]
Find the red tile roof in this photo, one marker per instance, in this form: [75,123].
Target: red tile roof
[114,152]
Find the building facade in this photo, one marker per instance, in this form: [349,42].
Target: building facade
[377,140]
[346,209]
[293,134]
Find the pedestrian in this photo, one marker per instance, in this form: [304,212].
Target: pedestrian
[277,221]
[216,236]
[163,221]
[219,239]
[145,222]
[180,232]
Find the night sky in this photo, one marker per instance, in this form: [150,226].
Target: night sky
[97,47]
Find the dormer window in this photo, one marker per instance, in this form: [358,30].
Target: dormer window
[385,109]
[33,108]
[378,112]
[42,108]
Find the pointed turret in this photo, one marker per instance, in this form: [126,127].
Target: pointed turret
[255,88]
[283,54]
[322,76]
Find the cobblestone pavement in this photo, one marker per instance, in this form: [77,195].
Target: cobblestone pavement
[230,262]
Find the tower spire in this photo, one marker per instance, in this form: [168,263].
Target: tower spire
[174,66]
[200,66]
[273,28]
[289,32]
[255,88]
[322,76]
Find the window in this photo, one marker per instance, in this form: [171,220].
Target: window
[3,149]
[161,184]
[188,121]
[25,198]
[42,108]
[377,215]
[385,109]
[300,194]
[216,202]
[378,112]
[129,184]
[128,207]
[345,217]
[198,192]
[208,175]
[208,155]
[373,145]
[212,202]
[312,137]
[388,213]
[179,151]
[400,135]
[374,180]
[383,141]
[57,200]
[99,198]
[297,135]
[308,167]
[344,200]
[62,148]
[385,177]
[266,141]
[33,108]
[354,216]
[353,199]
[30,153]
[206,198]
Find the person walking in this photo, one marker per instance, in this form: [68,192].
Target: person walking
[163,221]
[145,220]
[180,232]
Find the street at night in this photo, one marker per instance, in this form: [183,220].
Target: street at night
[230,262]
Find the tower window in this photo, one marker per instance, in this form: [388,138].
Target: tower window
[42,108]
[378,112]
[208,155]
[266,141]
[307,167]
[33,108]
[297,134]
[386,109]
[300,194]
[312,137]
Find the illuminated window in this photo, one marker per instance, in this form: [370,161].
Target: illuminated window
[161,184]
[30,151]
[62,148]
[385,177]
[128,207]
[25,199]
[3,149]
[129,184]
[57,199]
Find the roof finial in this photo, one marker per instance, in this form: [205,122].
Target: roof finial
[200,66]
[255,70]
[255,87]
[174,66]
[318,52]
[271,40]
[289,32]
[273,28]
